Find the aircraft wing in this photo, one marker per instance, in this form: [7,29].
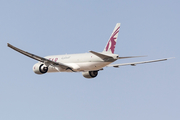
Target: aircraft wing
[135,63]
[38,58]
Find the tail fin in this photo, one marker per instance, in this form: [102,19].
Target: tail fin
[111,44]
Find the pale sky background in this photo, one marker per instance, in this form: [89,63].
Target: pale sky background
[52,27]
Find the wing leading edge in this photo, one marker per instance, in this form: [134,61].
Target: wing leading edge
[38,58]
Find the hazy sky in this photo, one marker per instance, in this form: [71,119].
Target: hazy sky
[51,27]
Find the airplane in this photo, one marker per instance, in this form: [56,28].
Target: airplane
[87,63]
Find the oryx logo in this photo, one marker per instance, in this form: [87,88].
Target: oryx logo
[112,41]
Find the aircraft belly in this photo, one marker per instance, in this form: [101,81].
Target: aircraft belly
[90,66]
[85,66]
[53,69]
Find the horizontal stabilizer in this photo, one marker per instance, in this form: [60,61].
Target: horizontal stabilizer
[130,57]
[102,56]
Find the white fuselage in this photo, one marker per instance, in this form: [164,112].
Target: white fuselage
[79,62]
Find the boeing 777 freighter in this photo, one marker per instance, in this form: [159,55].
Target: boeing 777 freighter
[87,63]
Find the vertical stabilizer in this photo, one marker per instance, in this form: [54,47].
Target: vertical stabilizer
[111,44]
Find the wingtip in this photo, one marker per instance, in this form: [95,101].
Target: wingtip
[171,58]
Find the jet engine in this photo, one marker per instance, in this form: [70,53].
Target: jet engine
[40,68]
[90,74]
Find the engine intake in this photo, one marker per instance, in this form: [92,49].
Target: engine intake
[40,68]
[90,74]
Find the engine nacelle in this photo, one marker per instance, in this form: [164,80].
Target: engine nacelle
[40,68]
[90,74]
